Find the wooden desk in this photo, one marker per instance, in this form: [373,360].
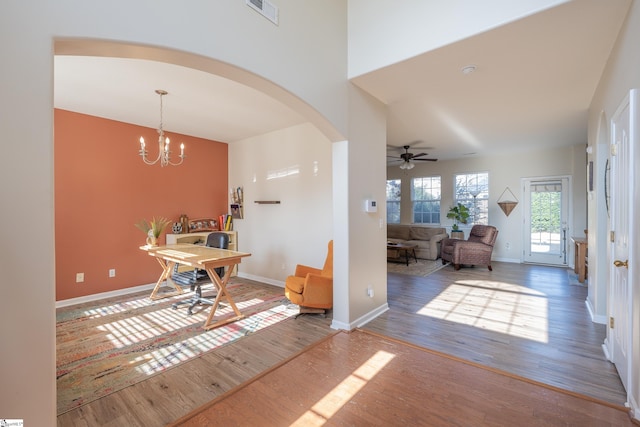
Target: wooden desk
[202,257]
[580,262]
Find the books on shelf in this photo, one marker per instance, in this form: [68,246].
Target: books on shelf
[226,222]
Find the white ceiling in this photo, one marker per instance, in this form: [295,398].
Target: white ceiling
[532,88]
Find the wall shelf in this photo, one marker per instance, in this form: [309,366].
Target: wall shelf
[267,202]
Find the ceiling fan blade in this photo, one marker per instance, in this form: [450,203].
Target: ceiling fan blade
[426,160]
[420,155]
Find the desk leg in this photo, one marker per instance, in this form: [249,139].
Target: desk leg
[167,267]
[221,285]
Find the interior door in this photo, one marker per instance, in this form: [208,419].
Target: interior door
[546,216]
[620,295]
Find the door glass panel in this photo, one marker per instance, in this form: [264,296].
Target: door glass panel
[546,218]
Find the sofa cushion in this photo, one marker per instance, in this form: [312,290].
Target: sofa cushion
[424,233]
[421,244]
[397,231]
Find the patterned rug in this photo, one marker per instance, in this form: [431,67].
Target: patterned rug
[104,348]
[423,267]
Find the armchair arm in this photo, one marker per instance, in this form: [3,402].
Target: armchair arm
[303,270]
[318,289]
[434,244]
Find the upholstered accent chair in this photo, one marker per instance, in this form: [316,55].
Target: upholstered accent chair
[476,250]
[312,288]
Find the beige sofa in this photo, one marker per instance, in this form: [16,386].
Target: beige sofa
[427,239]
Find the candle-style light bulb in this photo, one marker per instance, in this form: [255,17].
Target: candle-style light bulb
[182,149]
[141,143]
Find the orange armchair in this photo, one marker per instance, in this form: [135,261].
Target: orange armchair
[312,288]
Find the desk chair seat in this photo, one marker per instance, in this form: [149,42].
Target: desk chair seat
[195,279]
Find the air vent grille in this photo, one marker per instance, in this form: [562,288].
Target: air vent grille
[265,8]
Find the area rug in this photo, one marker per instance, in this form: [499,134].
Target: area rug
[103,349]
[423,267]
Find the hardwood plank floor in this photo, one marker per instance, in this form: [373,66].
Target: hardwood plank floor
[165,397]
[523,319]
[360,378]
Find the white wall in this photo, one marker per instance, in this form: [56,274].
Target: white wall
[294,167]
[322,189]
[504,171]
[383,32]
[225,36]
[621,74]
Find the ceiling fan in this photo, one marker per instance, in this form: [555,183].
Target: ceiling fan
[408,158]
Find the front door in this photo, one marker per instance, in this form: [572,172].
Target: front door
[621,222]
[546,211]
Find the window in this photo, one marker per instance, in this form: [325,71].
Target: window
[425,196]
[472,190]
[393,201]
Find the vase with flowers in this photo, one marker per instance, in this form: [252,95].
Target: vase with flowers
[153,229]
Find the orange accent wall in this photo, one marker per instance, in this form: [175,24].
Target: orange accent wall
[102,188]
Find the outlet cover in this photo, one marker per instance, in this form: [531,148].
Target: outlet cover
[79,277]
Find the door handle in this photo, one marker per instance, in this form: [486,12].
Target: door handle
[619,263]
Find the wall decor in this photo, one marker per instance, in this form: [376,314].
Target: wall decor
[507,202]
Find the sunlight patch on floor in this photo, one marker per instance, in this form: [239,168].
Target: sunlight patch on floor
[165,356]
[331,403]
[496,306]
[128,331]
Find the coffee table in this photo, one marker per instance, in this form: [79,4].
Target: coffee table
[395,250]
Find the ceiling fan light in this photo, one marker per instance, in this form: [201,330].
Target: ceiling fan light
[407,165]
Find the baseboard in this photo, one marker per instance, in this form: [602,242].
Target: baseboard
[262,279]
[633,407]
[362,320]
[511,260]
[104,295]
[594,317]
[605,350]
[149,287]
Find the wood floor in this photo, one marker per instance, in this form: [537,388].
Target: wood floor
[359,378]
[523,319]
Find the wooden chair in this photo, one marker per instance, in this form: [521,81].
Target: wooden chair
[312,288]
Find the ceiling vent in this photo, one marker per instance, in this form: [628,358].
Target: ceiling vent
[266,9]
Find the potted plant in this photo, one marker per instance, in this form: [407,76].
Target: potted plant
[153,229]
[460,215]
